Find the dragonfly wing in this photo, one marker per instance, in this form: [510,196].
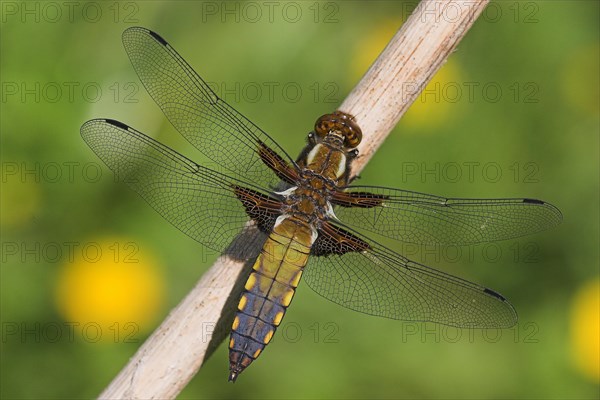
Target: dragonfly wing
[381,282]
[204,204]
[215,128]
[420,218]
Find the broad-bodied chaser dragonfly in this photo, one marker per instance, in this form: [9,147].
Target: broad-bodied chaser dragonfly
[307,209]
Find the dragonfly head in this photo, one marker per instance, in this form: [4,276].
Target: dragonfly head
[342,124]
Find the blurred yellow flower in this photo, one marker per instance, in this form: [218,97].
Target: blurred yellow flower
[580,80]
[373,43]
[585,329]
[112,287]
[434,105]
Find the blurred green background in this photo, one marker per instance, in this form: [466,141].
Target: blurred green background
[89,270]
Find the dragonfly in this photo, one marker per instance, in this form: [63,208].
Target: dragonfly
[319,227]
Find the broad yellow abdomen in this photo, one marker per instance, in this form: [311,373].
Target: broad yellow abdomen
[268,291]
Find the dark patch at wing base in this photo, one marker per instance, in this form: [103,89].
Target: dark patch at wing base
[262,209]
[334,240]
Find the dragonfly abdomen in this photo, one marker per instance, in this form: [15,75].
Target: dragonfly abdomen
[269,291]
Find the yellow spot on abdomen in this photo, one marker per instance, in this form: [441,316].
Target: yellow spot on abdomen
[250,282]
[242,303]
[236,323]
[296,279]
[278,318]
[231,343]
[268,337]
[256,353]
[287,297]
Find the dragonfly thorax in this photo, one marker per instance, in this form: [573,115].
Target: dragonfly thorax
[332,146]
[309,201]
[328,160]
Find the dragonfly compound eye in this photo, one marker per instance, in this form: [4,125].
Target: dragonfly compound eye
[342,123]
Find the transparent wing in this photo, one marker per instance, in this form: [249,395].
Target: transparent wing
[198,201]
[383,283]
[215,128]
[413,217]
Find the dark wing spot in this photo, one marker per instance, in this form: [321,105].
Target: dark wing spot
[492,293]
[158,38]
[533,201]
[118,124]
